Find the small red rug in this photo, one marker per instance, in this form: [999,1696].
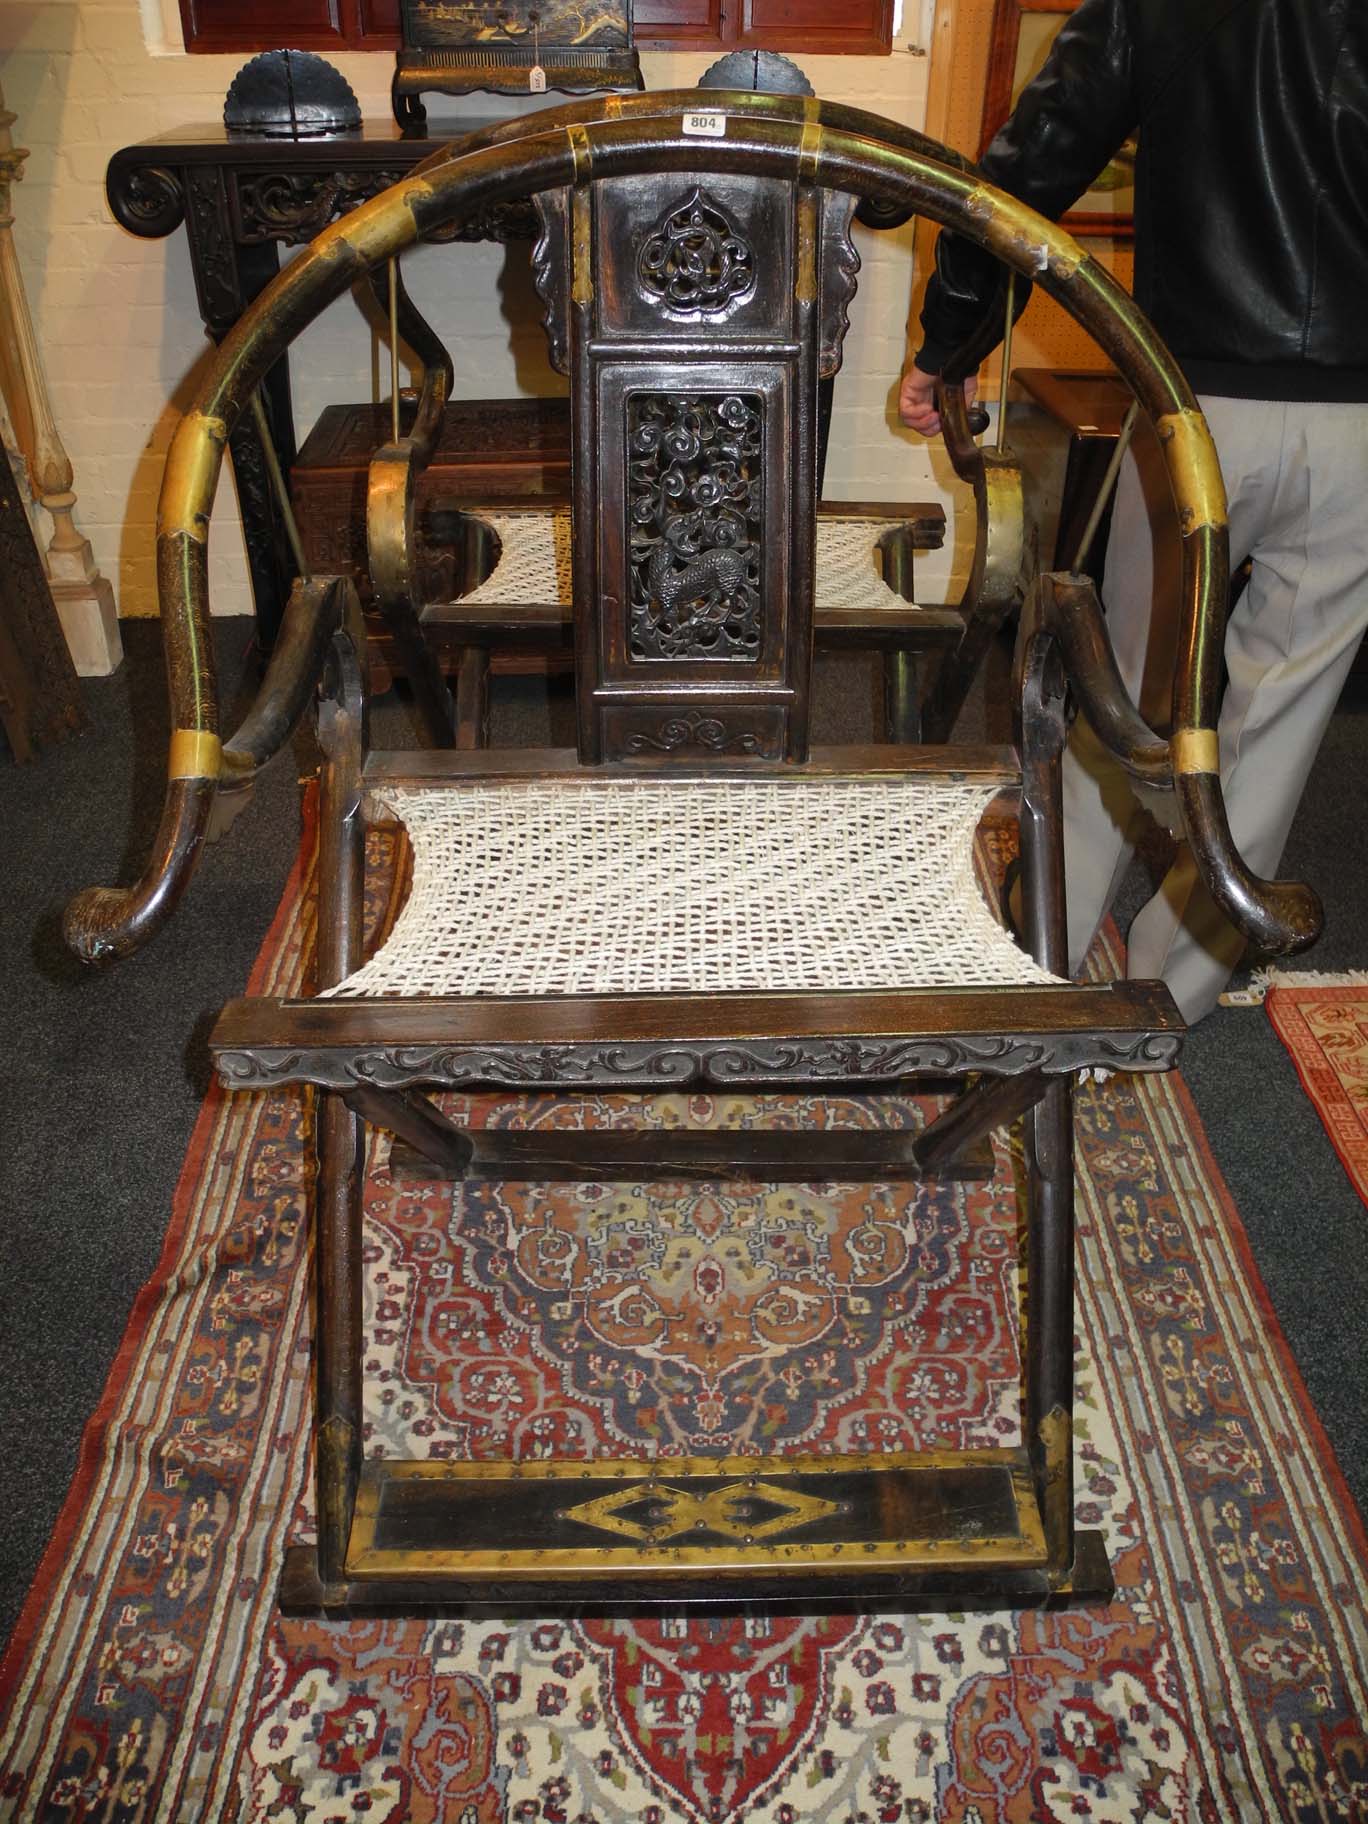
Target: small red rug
[150,1677]
[1323,1022]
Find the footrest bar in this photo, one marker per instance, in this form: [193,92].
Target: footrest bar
[656,1155]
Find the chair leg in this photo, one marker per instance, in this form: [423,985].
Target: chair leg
[901,673]
[1048,1352]
[1048,1346]
[902,705]
[338,1340]
[339,1136]
[472,699]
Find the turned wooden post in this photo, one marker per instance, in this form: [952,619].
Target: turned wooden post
[83,598]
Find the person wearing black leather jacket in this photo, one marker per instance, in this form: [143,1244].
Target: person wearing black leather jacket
[1251,219]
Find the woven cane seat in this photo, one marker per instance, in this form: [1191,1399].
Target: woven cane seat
[665,886]
[534,561]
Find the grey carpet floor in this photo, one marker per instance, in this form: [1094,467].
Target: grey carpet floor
[101,1073]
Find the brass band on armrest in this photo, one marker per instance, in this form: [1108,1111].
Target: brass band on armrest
[1194,468]
[195,754]
[1196,750]
[190,476]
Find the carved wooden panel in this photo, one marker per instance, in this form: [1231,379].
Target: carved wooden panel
[696,542]
[695,262]
[693,523]
[680,257]
[643,730]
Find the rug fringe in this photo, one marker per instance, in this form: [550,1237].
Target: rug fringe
[1265,979]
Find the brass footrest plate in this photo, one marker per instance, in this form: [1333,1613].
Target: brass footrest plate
[928,1533]
[695,1519]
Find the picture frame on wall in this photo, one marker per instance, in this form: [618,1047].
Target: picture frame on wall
[1022,34]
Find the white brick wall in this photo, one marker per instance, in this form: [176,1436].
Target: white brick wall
[121,334]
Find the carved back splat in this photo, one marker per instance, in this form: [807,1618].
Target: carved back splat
[694,315]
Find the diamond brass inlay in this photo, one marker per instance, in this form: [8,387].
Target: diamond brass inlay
[654,1512]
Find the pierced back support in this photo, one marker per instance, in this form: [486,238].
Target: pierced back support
[694,315]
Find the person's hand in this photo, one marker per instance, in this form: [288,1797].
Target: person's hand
[917,400]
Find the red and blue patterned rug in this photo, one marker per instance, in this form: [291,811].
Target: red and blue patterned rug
[1323,1022]
[150,1679]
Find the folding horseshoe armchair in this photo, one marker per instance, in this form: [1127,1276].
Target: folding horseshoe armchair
[693,896]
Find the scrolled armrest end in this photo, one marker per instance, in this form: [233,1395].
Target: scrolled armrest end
[1279,917]
[1295,918]
[103,924]
[97,922]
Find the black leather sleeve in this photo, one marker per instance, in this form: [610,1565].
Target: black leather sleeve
[1067,124]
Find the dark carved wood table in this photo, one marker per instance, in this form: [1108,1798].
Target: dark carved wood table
[241,199]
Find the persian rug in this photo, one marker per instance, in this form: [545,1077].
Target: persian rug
[1323,1022]
[150,1678]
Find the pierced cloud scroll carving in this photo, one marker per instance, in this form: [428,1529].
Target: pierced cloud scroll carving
[694,506]
[695,261]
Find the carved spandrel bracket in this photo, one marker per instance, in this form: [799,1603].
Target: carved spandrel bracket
[839,279]
[213,253]
[550,273]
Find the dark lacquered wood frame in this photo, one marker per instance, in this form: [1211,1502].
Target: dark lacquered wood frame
[386,1538]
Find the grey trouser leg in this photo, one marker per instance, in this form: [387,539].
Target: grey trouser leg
[1297,476]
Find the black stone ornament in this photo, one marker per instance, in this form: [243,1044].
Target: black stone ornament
[290,95]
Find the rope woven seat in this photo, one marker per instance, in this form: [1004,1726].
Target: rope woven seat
[627,887]
[534,561]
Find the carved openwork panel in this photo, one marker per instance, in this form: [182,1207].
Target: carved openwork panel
[677,257]
[696,540]
[696,262]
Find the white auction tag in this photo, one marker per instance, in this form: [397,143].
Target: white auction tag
[536,79]
[706,126]
[1243,997]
